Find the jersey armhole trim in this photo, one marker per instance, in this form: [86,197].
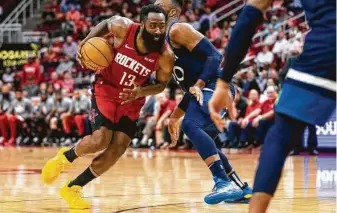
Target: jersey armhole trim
[156,66]
[125,37]
[168,34]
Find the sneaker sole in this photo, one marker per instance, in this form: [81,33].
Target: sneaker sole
[219,199]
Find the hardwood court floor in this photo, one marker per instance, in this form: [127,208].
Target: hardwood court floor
[161,182]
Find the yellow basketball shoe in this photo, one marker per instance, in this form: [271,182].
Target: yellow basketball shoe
[73,196]
[53,168]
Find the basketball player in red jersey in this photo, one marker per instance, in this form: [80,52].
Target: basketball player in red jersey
[118,95]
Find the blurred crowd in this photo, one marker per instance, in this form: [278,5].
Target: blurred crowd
[48,100]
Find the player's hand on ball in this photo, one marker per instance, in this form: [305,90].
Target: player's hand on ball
[130,95]
[197,93]
[221,99]
[79,57]
[173,128]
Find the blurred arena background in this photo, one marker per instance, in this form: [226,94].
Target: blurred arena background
[45,94]
[39,41]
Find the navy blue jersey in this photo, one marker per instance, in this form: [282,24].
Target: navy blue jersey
[188,67]
[318,59]
[309,91]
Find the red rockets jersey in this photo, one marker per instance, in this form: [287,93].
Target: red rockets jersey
[129,66]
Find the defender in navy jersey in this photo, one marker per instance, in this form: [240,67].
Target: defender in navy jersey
[307,95]
[196,70]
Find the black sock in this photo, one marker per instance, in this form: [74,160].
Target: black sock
[235,178]
[52,135]
[83,179]
[71,155]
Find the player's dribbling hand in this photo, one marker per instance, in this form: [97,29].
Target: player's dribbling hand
[79,57]
[221,99]
[197,93]
[173,128]
[130,95]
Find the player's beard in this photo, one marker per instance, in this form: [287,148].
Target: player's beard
[153,43]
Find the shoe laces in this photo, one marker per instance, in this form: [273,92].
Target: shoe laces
[217,185]
[77,192]
[221,186]
[61,164]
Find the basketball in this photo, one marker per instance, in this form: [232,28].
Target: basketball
[97,53]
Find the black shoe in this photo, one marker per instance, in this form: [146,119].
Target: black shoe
[47,142]
[184,146]
[243,145]
[227,145]
[256,144]
[313,152]
[294,153]
[162,145]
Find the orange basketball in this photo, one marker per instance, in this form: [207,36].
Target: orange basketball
[97,53]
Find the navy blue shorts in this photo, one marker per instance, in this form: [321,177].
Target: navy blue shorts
[304,105]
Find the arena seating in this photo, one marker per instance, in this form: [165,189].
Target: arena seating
[67,22]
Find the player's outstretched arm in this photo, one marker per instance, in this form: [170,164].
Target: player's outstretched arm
[176,118]
[241,37]
[238,45]
[185,35]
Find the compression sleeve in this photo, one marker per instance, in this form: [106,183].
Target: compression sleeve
[206,50]
[240,41]
[184,102]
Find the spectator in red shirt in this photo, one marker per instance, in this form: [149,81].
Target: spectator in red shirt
[166,108]
[6,99]
[81,24]
[242,128]
[252,111]
[55,81]
[73,14]
[68,82]
[265,119]
[233,128]
[162,109]
[31,72]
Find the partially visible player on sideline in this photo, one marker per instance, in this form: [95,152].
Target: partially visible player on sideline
[308,94]
[197,67]
[118,95]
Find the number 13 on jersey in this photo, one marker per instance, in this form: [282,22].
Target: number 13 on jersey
[127,79]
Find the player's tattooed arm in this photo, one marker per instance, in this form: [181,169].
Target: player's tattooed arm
[118,26]
[115,25]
